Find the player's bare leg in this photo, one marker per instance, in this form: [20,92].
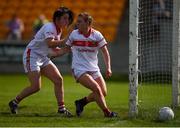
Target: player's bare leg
[51,72]
[87,81]
[102,85]
[35,85]
[90,98]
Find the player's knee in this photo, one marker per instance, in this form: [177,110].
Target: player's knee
[97,90]
[36,88]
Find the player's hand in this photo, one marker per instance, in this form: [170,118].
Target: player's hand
[108,73]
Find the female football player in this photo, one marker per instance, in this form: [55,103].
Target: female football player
[85,43]
[37,63]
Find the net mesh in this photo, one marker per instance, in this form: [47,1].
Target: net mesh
[155,53]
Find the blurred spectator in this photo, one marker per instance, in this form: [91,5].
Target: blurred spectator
[39,22]
[16,27]
[159,12]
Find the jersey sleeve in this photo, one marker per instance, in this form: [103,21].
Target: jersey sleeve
[49,32]
[70,39]
[101,40]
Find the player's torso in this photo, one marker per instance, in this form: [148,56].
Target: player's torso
[85,50]
[38,44]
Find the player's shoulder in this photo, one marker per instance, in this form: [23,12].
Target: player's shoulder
[75,32]
[96,32]
[49,25]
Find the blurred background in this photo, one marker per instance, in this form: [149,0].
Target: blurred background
[21,19]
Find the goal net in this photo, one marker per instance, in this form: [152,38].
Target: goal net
[152,28]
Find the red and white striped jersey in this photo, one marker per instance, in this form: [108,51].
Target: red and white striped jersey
[85,49]
[38,45]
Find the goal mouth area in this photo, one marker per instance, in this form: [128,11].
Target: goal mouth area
[155,77]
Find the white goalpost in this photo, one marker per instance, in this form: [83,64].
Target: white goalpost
[176,54]
[133,58]
[154,55]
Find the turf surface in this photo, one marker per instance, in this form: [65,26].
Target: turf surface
[40,109]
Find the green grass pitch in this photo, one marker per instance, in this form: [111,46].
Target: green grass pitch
[40,109]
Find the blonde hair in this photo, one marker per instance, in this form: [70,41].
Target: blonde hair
[87,17]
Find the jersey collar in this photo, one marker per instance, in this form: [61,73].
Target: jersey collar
[88,34]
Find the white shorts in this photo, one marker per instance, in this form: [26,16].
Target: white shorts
[78,73]
[34,62]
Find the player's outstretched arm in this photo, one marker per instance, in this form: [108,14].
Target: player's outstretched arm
[52,43]
[57,52]
[63,51]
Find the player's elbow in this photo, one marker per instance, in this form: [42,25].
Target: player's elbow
[50,42]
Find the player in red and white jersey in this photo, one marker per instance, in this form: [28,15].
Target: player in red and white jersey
[36,61]
[85,43]
[85,49]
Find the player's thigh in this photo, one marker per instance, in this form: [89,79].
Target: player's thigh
[102,84]
[87,81]
[34,78]
[51,71]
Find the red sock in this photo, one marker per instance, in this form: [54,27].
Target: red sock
[61,105]
[17,99]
